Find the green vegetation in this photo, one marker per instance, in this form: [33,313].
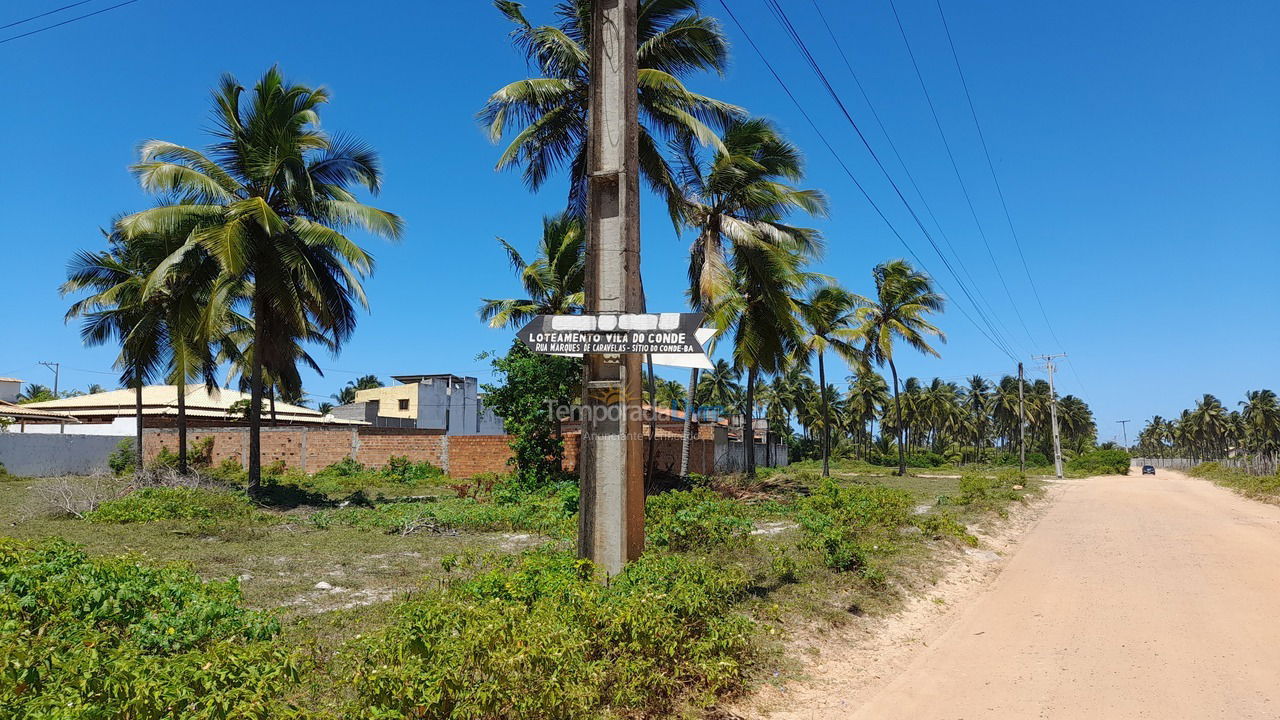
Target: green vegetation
[110,637]
[1209,430]
[848,524]
[1258,487]
[1099,462]
[529,391]
[548,511]
[694,520]
[539,637]
[175,503]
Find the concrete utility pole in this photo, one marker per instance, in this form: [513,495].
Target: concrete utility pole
[611,521]
[1053,412]
[1022,424]
[57,372]
[1124,428]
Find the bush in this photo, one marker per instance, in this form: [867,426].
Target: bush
[846,524]
[540,637]
[1100,462]
[541,512]
[124,459]
[174,503]
[230,471]
[693,520]
[110,638]
[402,470]
[1260,487]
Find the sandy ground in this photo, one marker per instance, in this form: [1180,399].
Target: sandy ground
[1127,597]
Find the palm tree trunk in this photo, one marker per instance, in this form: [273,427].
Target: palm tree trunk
[137,408]
[749,431]
[255,412]
[897,402]
[182,426]
[687,438]
[826,417]
[274,422]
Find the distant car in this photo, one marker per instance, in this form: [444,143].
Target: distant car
[1148,469]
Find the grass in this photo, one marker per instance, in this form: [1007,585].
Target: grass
[342,576]
[1259,487]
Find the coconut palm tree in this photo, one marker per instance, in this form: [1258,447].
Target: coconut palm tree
[828,321]
[271,203]
[737,196]
[761,311]
[1260,411]
[868,396]
[904,297]
[553,282]
[977,402]
[548,114]
[115,311]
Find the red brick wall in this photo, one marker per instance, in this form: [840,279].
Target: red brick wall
[313,448]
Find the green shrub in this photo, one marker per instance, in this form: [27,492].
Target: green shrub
[124,459]
[541,512]
[846,524]
[175,503]
[1100,462]
[230,471]
[402,470]
[542,638]
[693,520]
[85,637]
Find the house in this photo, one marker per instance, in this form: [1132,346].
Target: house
[9,389]
[447,403]
[22,415]
[115,412]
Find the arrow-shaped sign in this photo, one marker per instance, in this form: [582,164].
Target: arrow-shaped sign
[676,338]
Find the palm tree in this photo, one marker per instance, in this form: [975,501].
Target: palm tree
[553,282]
[116,311]
[827,322]
[271,203]
[548,114]
[736,197]
[868,395]
[761,311]
[719,387]
[1261,415]
[977,400]
[904,296]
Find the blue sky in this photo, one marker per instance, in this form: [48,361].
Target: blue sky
[1137,144]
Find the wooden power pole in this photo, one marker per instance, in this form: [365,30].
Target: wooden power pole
[611,521]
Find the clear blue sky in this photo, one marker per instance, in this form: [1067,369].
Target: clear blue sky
[1137,144]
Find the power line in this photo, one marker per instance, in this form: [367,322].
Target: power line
[840,161]
[898,155]
[66,22]
[995,336]
[964,189]
[37,17]
[1004,205]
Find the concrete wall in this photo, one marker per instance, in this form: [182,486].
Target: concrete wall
[10,389]
[44,455]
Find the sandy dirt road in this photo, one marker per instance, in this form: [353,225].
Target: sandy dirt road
[1133,597]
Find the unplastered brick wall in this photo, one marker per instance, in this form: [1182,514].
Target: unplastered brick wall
[312,449]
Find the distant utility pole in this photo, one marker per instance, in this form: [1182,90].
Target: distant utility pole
[1053,412]
[611,520]
[57,371]
[1022,424]
[1124,429]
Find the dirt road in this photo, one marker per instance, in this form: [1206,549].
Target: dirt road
[1132,597]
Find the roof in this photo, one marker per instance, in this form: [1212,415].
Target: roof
[162,400]
[10,380]
[419,378]
[23,412]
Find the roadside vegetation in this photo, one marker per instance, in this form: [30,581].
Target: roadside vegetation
[355,603]
[1258,487]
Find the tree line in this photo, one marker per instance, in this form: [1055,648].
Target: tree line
[733,183]
[1210,431]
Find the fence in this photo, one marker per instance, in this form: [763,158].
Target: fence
[1255,465]
[731,457]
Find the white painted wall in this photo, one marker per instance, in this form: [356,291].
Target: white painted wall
[43,455]
[9,390]
[120,427]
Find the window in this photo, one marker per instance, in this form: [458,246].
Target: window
[404,404]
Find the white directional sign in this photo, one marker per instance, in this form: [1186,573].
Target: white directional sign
[646,333]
